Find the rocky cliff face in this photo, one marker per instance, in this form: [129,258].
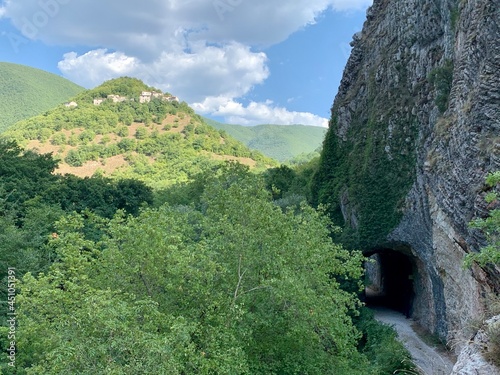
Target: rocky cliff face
[471,359]
[415,128]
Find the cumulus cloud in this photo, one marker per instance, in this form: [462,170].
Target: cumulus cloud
[256,113]
[146,29]
[208,78]
[230,70]
[97,66]
[199,50]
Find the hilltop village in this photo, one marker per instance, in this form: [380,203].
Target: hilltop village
[145,97]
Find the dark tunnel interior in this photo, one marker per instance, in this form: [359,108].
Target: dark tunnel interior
[390,281]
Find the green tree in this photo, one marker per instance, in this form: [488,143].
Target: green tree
[141,133]
[44,134]
[69,326]
[73,140]
[75,158]
[442,78]
[122,131]
[58,139]
[234,286]
[87,136]
[105,139]
[127,144]
[23,174]
[280,180]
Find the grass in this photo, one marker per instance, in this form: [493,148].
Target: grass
[379,343]
[493,352]
[442,78]
[433,341]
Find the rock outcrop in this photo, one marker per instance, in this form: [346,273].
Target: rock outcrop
[415,128]
[471,359]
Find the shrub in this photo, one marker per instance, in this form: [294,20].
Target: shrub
[127,144]
[188,128]
[105,139]
[73,140]
[75,158]
[58,139]
[87,136]
[380,345]
[141,133]
[454,16]
[493,352]
[122,131]
[441,78]
[490,226]
[44,134]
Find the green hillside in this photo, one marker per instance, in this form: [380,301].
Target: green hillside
[26,92]
[160,142]
[279,142]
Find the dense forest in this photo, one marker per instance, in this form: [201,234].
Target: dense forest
[28,91]
[283,143]
[224,268]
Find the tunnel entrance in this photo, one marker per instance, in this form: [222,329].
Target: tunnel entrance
[390,281]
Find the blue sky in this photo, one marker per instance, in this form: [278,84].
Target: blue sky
[237,61]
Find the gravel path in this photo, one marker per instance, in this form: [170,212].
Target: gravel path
[427,358]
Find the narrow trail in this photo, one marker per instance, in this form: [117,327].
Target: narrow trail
[427,358]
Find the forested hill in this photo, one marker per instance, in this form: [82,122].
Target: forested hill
[280,142]
[26,92]
[114,130]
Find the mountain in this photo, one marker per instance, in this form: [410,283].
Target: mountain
[26,92]
[124,128]
[414,131]
[280,142]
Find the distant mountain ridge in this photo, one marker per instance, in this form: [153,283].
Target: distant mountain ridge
[26,92]
[280,142]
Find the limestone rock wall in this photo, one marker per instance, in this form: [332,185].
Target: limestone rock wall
[471,360]
[390,113]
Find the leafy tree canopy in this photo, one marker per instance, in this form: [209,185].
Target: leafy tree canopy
[234,287]
[27,92]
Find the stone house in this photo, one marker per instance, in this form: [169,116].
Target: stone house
[145,97]
[117,98]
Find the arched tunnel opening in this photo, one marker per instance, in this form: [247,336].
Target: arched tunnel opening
[390,278]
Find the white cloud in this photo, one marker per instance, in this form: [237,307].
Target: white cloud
[196,49]
[147,29]
[256,113]
[97,66]
[230,70]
